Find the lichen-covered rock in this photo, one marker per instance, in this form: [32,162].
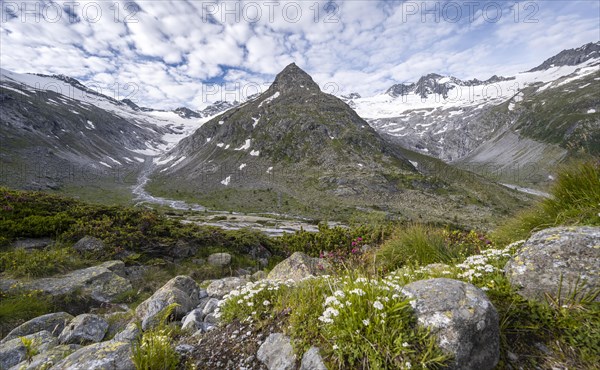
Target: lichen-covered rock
[570,253]
[462,318]
[129,334]
[297,267]
[181,290]
[46,359]
[54,323]
[99,283]
[312,360]
[89,244]
[193,320]
[219,259]
[111,355]
[219,288]
[84,329]
[14,351]
[277,353]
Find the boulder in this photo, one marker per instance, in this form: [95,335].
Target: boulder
[89,244]
[32,243]
[54,323]
[129,334]
[193,320]
[181,290]
[48,358]
[297,267]
[312,360]
[276,353]
[14,351]
[99,283]
[99,356]
[219,259]
[570,253]
[84,329]
[219,288]
[210,306]
[461,317]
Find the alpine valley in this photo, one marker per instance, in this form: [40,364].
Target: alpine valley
[439,149]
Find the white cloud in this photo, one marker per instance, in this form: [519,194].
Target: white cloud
[195,52]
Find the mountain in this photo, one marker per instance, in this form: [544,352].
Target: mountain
[467,122]
[56,133]
[294,149]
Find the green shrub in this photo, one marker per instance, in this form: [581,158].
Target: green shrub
[575,200]
[153,350]
[39,263]
[417,244]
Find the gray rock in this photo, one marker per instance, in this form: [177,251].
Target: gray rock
[99,283]
[276,353]
[572,253]
[210,306]
[193,320]
[203,327]
[259,275]
[219,259]
[312,360]
[111,355]
[32,243]
[48,358]
[181,290]
[131,333]
[89,244]
[14,351]
[211,318]
[219,288]
[135,273]
[461,317]
[84,329]
[52,322]
[297,267]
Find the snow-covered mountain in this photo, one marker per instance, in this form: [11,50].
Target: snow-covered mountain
[54,132]
[448,118]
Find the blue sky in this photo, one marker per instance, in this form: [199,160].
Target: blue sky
[195,52]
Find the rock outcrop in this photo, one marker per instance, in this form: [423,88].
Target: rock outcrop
[277,353]
[54,323]
[568,253]
[297,267]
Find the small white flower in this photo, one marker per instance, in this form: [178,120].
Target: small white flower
[250,304]
[378,305]
[407,365]
[339,293]
[366,322]
[405,345]
[335,346]
[266,303]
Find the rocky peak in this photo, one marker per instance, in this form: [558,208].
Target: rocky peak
[185,112]
[293,78]
[571,57]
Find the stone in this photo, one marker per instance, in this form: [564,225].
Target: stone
[32,243]
[99,356]
[84,329]
[193,320]
[277,353]
[14,351]
[47,358]
[219,259]
[89,244]
[129,334]
[570,253]
[211,318]
[259,275]
[297,267]
[54,323]
[99,283]
[462,318]
[210,306]
[181,290]
[219,288]
[312,360]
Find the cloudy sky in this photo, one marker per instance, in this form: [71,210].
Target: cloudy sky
[166,54]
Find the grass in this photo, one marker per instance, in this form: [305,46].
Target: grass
[153,350]
[575,200]
[18,307]
[19,262]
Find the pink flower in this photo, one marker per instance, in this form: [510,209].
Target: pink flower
[353,244]
[359,239]
[354,250]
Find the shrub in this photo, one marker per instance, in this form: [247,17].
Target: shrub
[153,350]
[18,307]
[416,243]
[39,263]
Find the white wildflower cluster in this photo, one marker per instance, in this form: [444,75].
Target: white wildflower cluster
[255,296]
[478,265]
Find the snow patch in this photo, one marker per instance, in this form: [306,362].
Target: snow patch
[220,145]
[255,121]
[416,164]
[141,160]
[221,122]
[226,181]
[105,164]
[208,139]
[270,170]
[242,166]
[592,110]
[90,125]
[269,99]
[255,153]
[246,145]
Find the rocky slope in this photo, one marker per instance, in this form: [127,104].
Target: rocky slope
[465,121]
[295,148]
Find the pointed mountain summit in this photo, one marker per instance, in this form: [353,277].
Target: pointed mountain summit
[293,149]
